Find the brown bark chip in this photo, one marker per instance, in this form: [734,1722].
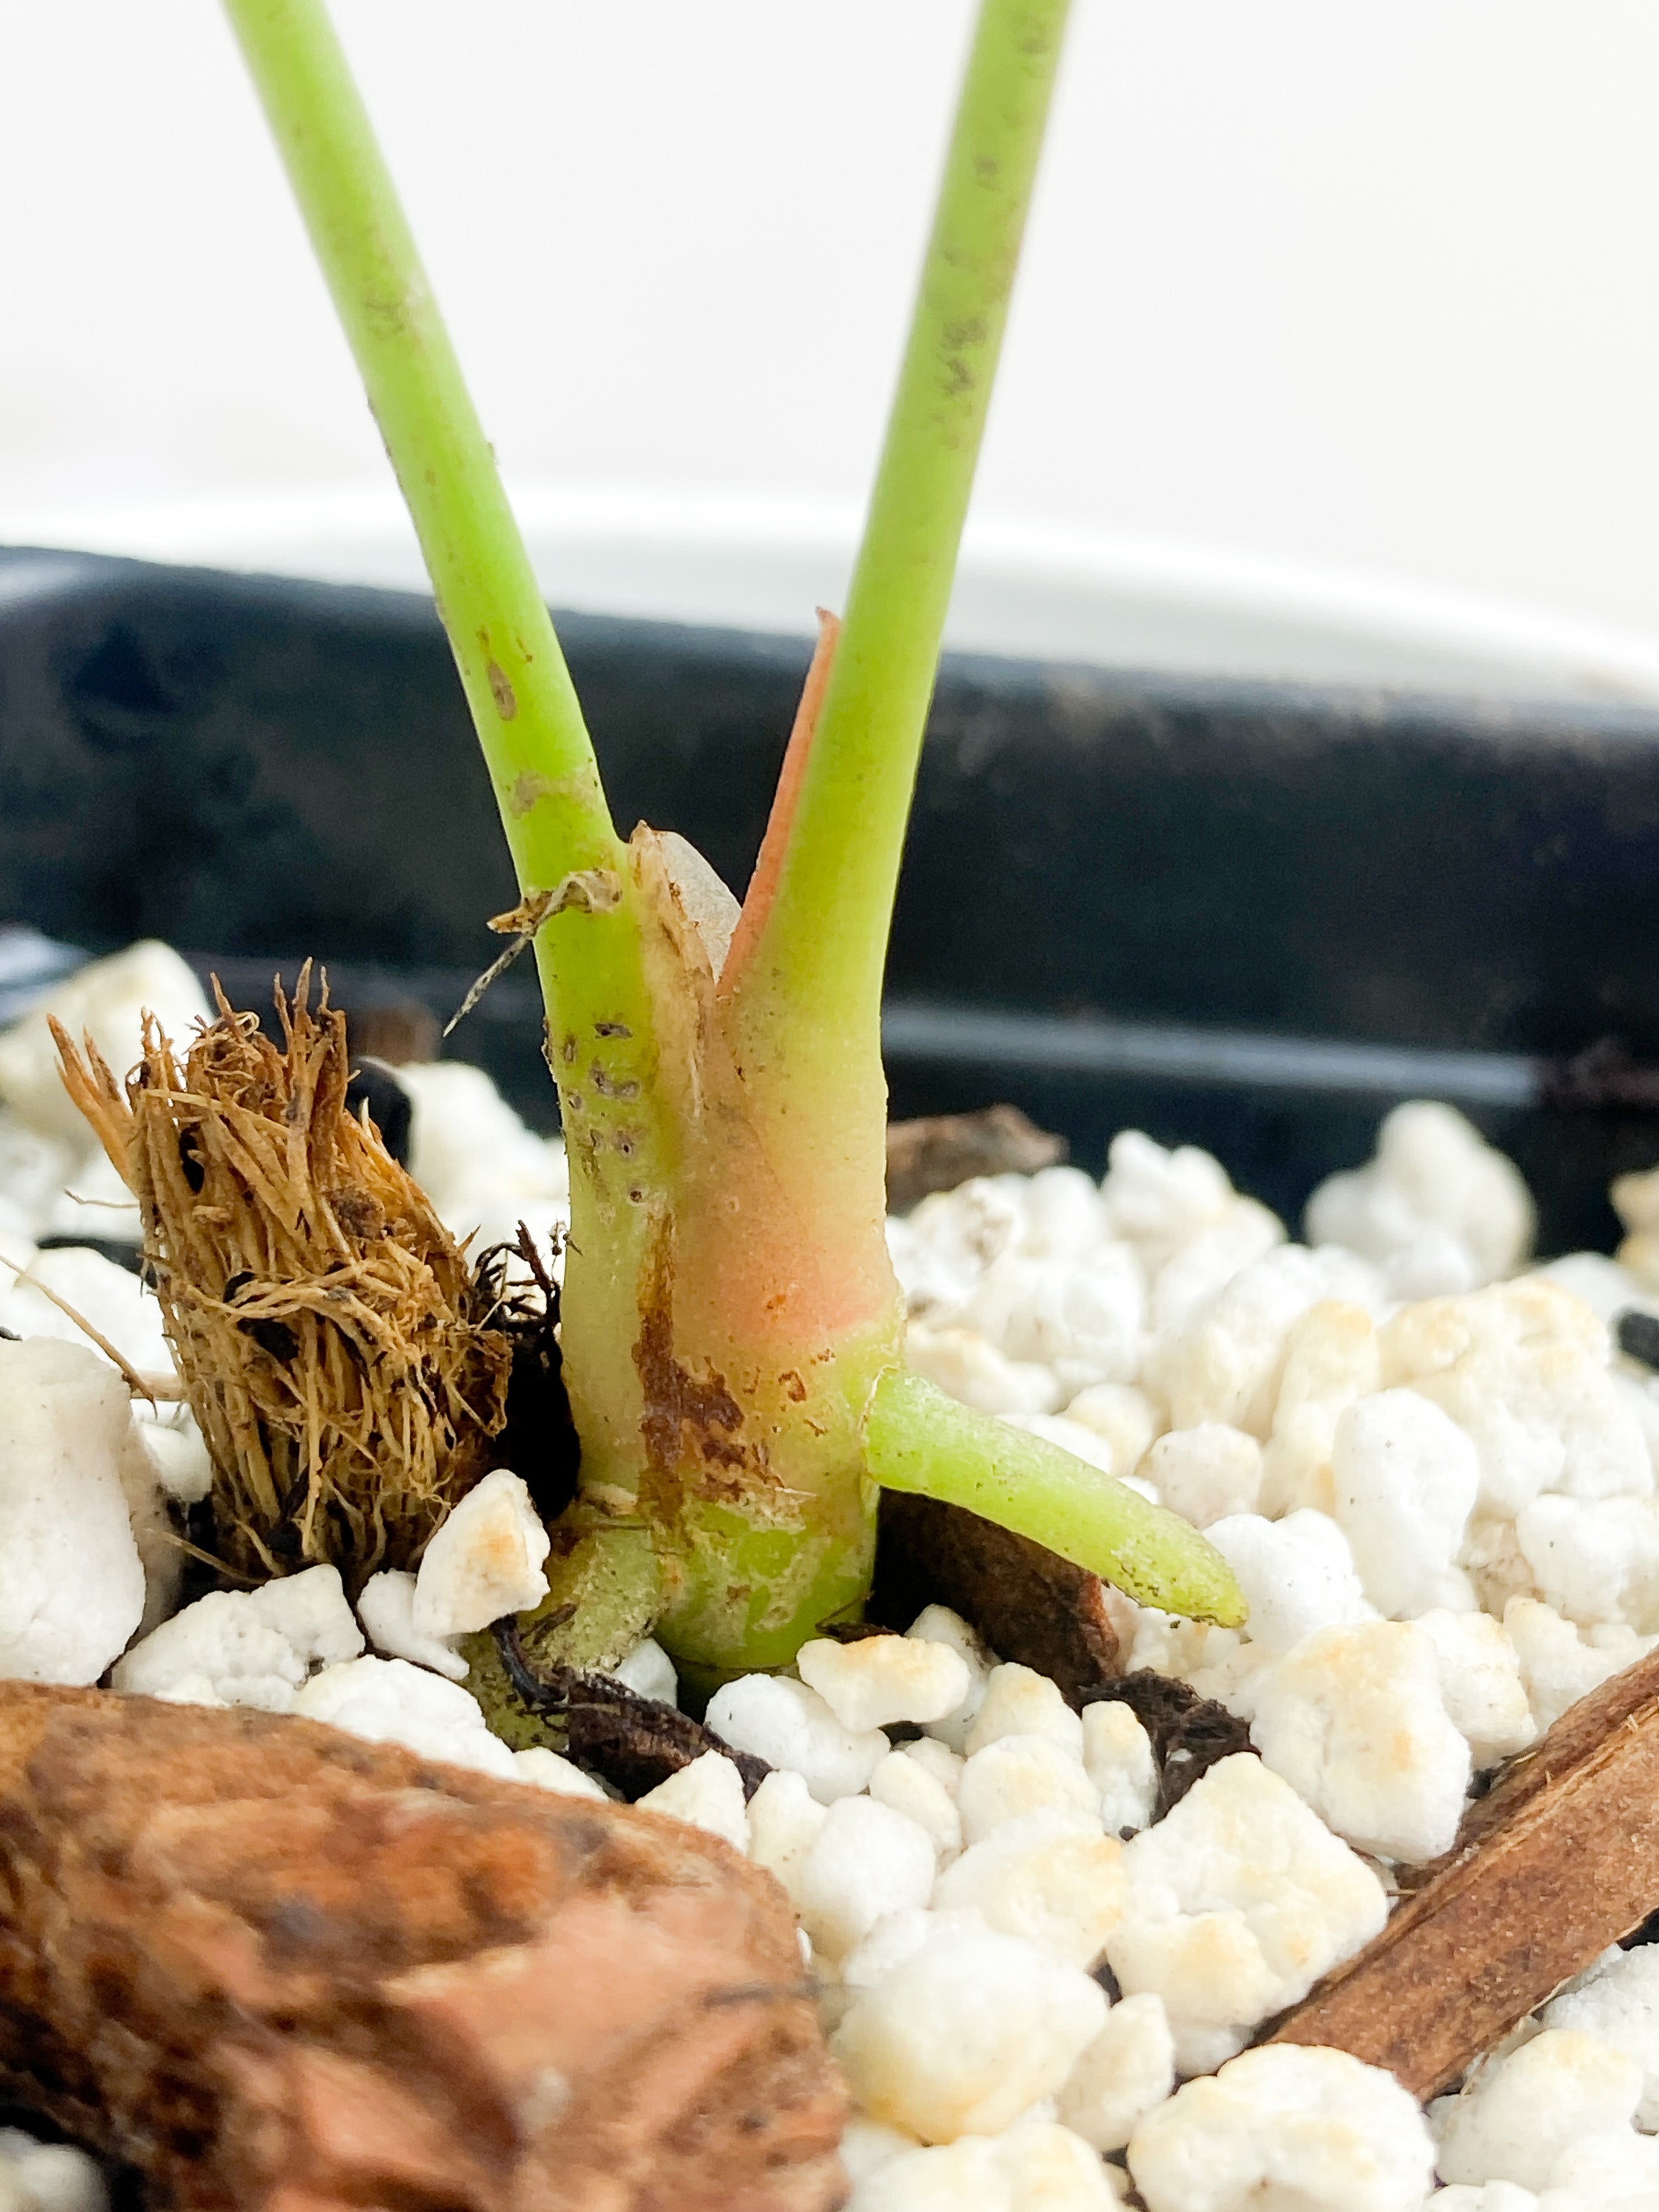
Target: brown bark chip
[1559,1860]
[1029,1604]
[273,1966]
[940,1150]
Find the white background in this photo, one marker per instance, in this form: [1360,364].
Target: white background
[1370,282]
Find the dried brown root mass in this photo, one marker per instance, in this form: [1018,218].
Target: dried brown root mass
[333,1345]
[633,1742]
[274,1966]
[1557,1862]
[940,1150]
[1028,1603]
[1189,1733]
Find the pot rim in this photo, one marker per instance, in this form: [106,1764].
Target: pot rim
[1030,589]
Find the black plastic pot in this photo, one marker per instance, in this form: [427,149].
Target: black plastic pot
[1240,915]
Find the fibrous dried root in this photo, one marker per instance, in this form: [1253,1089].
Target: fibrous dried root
[333,1344]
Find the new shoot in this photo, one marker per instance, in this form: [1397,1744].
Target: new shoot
[733,1335]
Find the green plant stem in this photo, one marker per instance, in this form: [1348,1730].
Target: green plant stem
[514,674]
[602,1030]
[917,1439]
[524,705]
[813,987]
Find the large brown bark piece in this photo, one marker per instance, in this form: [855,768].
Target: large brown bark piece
[1559,1860]
[282,1970]
[1027,1602]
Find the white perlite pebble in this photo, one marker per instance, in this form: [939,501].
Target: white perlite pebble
[1523,1369]
[389,1701]
[1238,1901]
[1036,2165]
[1073,1437]
[878,1680]
[973,2027]
[112,1299]
[485,1561]
[1557,1666]
[1594,1561]
[1496,2196]
[548,1771]
[908,1788]
[94,1200]
[1437,1208]
[936,1758]
[1515,2116]
[967,1228]
[1205,1472]
[648,1669]
[708,1793]
[108,997]
[71,1579]
[482,1170]
[34,1171]
[1310,2130]
[788,1723]
[1159,1200]
[1618,2002]
[937,1624]
[1404,1480]
[1352,1719]
[1126,2073]
[867,2144]
[1481,1683]
[1118,1759]
[1617,2172]
[39,2176]
[1051,1877]
[1082,1323]
[1225,1361]
[386,1609]
[1018,1701]
[784,1820]
[968,1366]
[1065,1218]
[182,1464]
[1120,1417]
[1208,1262]
[248,1647]
[895,1937]
[1297,1575]
[1331,1357]
[1020,1774]
[865,1862]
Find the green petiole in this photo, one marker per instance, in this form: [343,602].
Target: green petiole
[733,1334]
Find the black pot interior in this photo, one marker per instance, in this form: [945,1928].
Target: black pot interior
[1246,916]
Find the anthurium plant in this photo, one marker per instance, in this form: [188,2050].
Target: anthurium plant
[733,1336]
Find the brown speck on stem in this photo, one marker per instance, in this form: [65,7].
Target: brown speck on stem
[507,703]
